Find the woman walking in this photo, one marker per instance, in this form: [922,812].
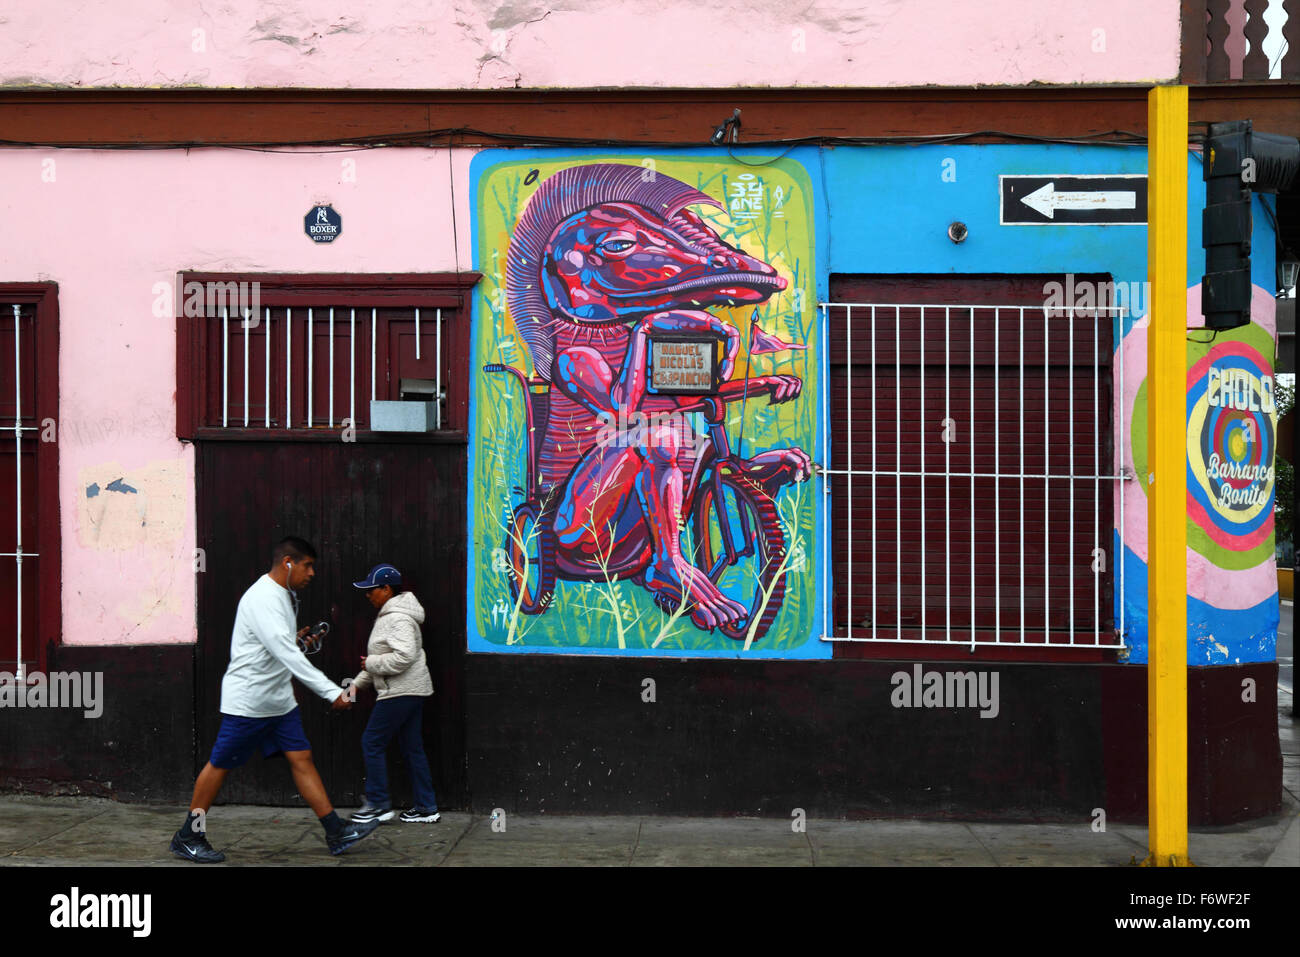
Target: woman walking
[395,665]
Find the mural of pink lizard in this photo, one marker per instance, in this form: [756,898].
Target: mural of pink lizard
[604,260]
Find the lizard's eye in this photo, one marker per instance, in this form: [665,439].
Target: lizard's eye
[616,246]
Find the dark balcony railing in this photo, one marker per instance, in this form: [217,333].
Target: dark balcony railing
[1224,41]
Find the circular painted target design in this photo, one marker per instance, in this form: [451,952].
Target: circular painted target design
[1230,444]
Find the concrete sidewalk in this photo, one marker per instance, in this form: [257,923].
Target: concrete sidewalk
[44,831]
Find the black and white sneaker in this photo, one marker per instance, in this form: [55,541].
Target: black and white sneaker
[195,849]
[420,815]
[349,834]
[369,812]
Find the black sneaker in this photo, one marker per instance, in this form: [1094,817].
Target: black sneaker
[195,849]
[420,815]
[369,812]
[349,834]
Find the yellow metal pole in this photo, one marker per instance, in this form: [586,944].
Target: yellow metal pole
[1167,483]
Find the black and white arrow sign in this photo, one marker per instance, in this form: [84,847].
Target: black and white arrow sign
[1120,199]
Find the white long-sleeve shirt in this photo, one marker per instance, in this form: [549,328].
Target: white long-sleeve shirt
[265,657]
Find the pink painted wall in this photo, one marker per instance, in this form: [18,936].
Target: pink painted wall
[426,44]
[108,227]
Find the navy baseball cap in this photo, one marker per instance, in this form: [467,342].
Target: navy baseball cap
[383,574]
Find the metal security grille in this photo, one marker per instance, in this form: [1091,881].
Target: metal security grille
[18,426]
[319,367]
[971,475]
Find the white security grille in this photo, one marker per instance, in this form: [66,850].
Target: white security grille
[932,463]
[283,339]
[21,435]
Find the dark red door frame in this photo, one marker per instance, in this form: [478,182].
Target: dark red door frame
[44,297]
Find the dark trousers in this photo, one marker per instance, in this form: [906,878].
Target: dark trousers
[396,718]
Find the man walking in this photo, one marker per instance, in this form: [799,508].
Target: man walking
[258,710]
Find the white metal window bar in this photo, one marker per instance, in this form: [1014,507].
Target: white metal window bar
[268,344]
[437,388]
[311,378]
[245,325]
[331,367]
[1121,471]
[288,368]
[266,401]
[439,398]
[225,366]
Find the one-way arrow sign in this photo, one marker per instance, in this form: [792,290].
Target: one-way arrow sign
[1119,199]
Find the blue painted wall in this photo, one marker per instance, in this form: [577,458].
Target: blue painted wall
[887,211]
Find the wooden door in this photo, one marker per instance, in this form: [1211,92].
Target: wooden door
[359,504]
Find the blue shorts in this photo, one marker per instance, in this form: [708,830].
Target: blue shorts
[240,737]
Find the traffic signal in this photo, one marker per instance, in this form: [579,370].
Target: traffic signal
[1237,161]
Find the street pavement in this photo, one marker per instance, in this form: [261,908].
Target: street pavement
[79,831]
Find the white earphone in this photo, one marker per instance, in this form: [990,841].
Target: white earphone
[293,597]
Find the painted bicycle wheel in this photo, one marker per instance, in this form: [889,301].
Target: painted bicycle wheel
[530,546]
[733,511]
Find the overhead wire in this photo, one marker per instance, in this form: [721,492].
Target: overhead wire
[467,136]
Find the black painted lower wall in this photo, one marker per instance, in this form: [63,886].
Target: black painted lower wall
[140,748]
[572,734]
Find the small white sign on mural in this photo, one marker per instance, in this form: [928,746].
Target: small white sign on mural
[679,365]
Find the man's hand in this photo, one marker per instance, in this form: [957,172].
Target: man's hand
[363,662]
[308,642]
[342,703]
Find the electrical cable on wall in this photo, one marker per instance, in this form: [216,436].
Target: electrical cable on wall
[426,137]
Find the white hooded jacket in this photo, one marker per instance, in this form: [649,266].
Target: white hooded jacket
[395,662]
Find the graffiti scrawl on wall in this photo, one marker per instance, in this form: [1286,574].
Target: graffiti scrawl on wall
[645,406]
